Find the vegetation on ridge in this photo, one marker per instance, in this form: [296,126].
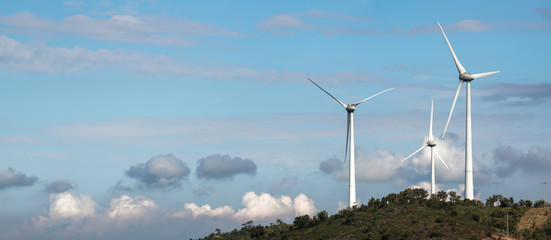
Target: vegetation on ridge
[409,214]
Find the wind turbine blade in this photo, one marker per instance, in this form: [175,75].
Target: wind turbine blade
[438,155]
[424,145]
[344,105]
[356,104]
[460,67]
[430,127]
[453,106]
[347,136]
[479,75]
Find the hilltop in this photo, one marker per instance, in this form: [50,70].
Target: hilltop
[410,214]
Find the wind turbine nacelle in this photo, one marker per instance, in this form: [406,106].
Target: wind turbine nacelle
[466,77]
[350,108]
[431,143]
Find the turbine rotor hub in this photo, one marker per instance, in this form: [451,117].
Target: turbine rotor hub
[431,143]
[466,77]
[350,108]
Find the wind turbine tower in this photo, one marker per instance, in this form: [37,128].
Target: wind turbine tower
[467,78]
[430,143]
[350,108]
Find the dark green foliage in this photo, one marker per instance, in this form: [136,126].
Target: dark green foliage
[539,203]
[302,222]
[494,200]
[525,203]
[409,214]
[476,217]
[454,197]
[257,231]
[321,217]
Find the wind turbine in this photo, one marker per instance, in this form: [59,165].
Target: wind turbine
[350,143]
[430,143]
[465,77]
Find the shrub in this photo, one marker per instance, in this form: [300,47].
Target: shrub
[476,217]
[539,203]
[302,221]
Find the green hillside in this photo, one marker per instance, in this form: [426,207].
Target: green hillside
[410,214]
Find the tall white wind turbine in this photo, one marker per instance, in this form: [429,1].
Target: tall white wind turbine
[465,77]
[350,143]
[430,143]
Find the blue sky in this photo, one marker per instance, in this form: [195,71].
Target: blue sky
[132,119]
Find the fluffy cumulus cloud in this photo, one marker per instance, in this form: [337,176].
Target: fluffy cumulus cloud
[384,165]
[255,207]
[160,171]
[70,216]
[331,165]
[60,186]
[67,205]
[126,208]
[224,167]
[67,211]
[13,178]
[381,166]
[509,160]
[417,168]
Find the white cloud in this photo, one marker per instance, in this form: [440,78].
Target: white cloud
[263,207]
[424,185]
[382,166]
[67,205]
[125,208]
[341,205]
[78,217]
[283,21]
[472,26]
[70,216]
[66,209]
[453,156]
[304,205]
[205,210]
[117,28]
[39,58]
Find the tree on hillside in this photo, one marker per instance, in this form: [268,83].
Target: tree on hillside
[494,200]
